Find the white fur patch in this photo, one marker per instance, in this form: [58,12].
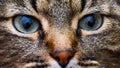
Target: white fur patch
[54,64]
[73,64]
[30,65]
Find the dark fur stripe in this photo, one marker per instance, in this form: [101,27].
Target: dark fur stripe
[33,3]
[94,3]
[116,17]
[3,18]
[118,2]
[83,3]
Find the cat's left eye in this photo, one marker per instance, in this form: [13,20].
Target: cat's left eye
[26,24]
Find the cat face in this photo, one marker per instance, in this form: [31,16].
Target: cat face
[59,34]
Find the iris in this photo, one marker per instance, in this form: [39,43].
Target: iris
[91,22]
[26,24]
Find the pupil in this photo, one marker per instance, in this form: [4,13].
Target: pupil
[26,25]
[26,22]
[90,20]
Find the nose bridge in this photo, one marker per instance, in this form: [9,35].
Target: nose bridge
[62,40]
[59,12]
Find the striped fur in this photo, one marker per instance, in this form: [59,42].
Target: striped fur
[59,19]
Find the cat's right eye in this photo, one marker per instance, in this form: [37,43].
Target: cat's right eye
[26,24]
[91,22]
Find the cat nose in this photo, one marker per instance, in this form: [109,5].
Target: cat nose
[63,57]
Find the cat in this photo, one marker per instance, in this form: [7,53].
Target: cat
[59,33]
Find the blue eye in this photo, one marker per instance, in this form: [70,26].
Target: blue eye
[26,24]
[91,22]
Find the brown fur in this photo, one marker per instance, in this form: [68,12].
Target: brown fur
[59,20]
